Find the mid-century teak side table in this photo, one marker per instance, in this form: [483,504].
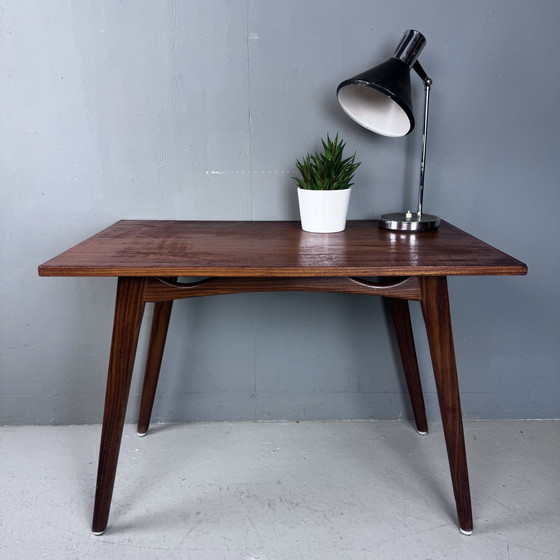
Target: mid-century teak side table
[149,258]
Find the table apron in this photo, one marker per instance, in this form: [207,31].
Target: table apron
[167,289]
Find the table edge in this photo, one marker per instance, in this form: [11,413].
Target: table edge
[239,272]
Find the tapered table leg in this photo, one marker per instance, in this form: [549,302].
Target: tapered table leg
[129,309]
[160,325]
[435,307]
[405,338]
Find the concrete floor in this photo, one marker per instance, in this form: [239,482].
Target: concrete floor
[282,491]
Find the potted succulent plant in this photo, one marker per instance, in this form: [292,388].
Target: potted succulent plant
[324,187]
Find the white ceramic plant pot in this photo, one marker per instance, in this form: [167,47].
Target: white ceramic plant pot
[323,211]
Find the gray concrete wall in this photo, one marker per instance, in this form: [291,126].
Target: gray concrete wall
[198,110]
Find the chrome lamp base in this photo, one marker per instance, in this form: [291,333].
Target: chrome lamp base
[409,222]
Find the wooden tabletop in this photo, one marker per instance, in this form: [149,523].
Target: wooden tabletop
[276,249]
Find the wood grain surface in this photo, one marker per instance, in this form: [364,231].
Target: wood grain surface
[276,249]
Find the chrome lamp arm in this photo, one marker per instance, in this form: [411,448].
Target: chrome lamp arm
[427,87]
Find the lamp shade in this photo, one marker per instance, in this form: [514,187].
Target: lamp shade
[380,98]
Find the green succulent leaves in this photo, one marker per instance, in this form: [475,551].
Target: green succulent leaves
[327,171]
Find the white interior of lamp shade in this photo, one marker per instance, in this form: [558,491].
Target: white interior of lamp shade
[374,110]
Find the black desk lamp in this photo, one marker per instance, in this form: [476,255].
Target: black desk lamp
[380,100]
